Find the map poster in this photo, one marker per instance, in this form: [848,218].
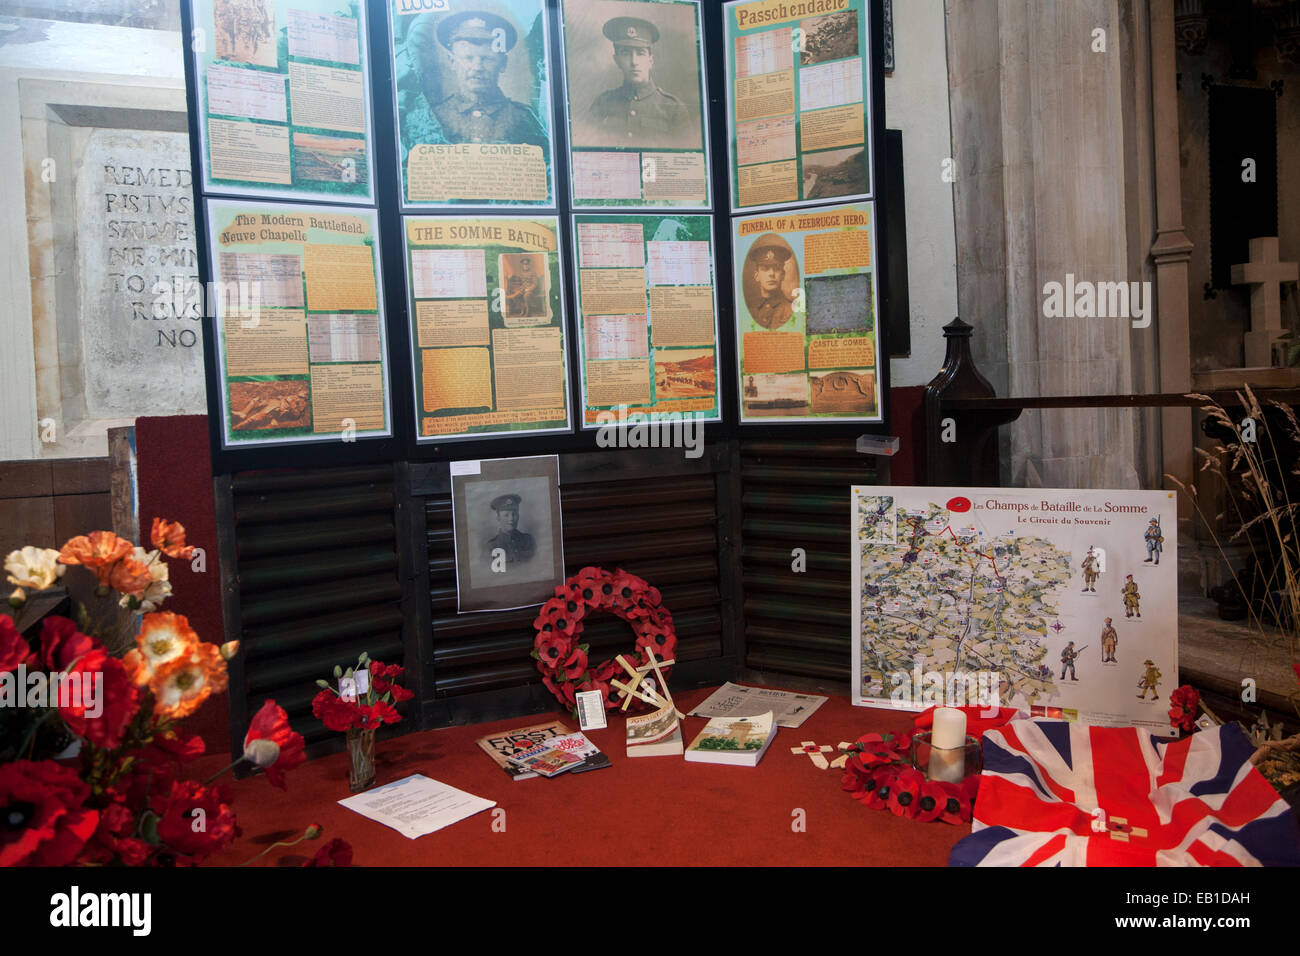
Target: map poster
[806,305]
[647,325]
[1061,603]
[302,353]
[472,86]
[634,76]
[487,326]
[798,101]
[283,99]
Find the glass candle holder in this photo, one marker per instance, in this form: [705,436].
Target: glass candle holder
[950,765]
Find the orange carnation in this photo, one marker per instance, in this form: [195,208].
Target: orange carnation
[99,552]
[169,538]
[129,576]
[181,685]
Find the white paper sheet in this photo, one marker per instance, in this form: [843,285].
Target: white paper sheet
[416,805]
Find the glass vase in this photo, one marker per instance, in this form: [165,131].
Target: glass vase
[361,759]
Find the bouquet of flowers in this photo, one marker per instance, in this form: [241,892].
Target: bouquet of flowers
[359,703]
[91,768]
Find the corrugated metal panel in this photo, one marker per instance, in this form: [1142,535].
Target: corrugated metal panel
[795,494]
[665,530]
[316,567]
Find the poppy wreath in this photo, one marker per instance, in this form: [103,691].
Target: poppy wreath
[879,774]
[558,649]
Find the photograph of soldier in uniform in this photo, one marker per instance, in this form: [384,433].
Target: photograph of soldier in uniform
[770,278]
[474,75]
[245,31]
[526,280]
[507,532]
[642,63]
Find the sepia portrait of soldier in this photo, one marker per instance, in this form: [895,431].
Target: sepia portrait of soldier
[643,57]
[771,276]
[516,545]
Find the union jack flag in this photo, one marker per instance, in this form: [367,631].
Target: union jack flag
[1056,793]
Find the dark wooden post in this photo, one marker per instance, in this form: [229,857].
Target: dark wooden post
[971,456]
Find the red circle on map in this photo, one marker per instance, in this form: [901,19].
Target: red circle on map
[959,504]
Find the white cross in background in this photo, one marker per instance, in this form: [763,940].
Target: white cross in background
[1266,274]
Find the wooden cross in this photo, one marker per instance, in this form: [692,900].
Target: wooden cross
[814,753]
[1118,828]
[642,691]
[1266,274]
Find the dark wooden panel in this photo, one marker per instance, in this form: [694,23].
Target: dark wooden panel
[81,514]
[25,521]
[80,476]
[25,479]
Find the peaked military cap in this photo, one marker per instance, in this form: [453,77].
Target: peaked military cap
[476,26]
[505,502]
[769,252]
[631,31]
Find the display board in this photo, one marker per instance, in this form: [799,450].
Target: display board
[283,99]
[806,307]
[302,348]
[472,91]
[1057,601]
[799,101]
[486,304]
[638,126]
[647,318]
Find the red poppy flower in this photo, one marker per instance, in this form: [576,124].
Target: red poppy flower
[562,690]
[905,794]
[606,671]
[338,852]
[401,693]
[877,798]
[606,692]
[852,782]
[42,820]
[553,648]
[575,665]
[386,712]
[956,807]
[333,713]
[105,687]
[931,802]
[114,842]
[589,583]
[189,803]
[13,649]
[1184,704]
[627,587]
[169,538]
[272,723]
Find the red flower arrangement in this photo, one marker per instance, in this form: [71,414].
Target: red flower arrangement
[879,774]
[122,798]
[371,708]
[565,663]
[1184,704]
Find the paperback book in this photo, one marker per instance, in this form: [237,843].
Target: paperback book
[502,746]
[733,740]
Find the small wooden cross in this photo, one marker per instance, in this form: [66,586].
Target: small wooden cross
[814,753]
[642,691]
[1117,828]
[1266,274]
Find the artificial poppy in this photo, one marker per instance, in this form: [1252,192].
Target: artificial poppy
[272,723]
[905,794]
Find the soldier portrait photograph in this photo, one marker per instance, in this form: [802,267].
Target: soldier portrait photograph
[633,74]
[474,75]
[771,274]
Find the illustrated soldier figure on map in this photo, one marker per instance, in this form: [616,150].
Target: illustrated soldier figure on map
[1155,541]
[465,97]
[1090,570]
[1149,681]
[770,306]
[1068,657]
[1109,642]
[517,545]
[1131,598]
[638,111]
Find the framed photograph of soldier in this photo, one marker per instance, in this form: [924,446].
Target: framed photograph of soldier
[806,307]
[302,350]
[647,325]
[1049,600]
[508,533]
[799,102]
[282,96]
[486,307]
[634,84]
[472,92]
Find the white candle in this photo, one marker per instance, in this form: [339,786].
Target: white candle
[949,730]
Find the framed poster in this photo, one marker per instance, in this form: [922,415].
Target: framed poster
[1053,601]
[302,354]
[806,307]
[471,83]
[634,79]
[486,305]
[647,318]
[798,101]
[507,532]
[283,99]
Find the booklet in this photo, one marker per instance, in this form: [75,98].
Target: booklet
[502,746]
[578,745]
[736,700]
[546,760]
[654,735]
[733,740]
[416,805]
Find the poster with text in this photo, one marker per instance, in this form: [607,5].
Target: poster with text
[486,303]
[648,318]
[634,73]
[806,306]
[472,88]
[300,324]
[798,101]
[283,98]
[1061,603]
